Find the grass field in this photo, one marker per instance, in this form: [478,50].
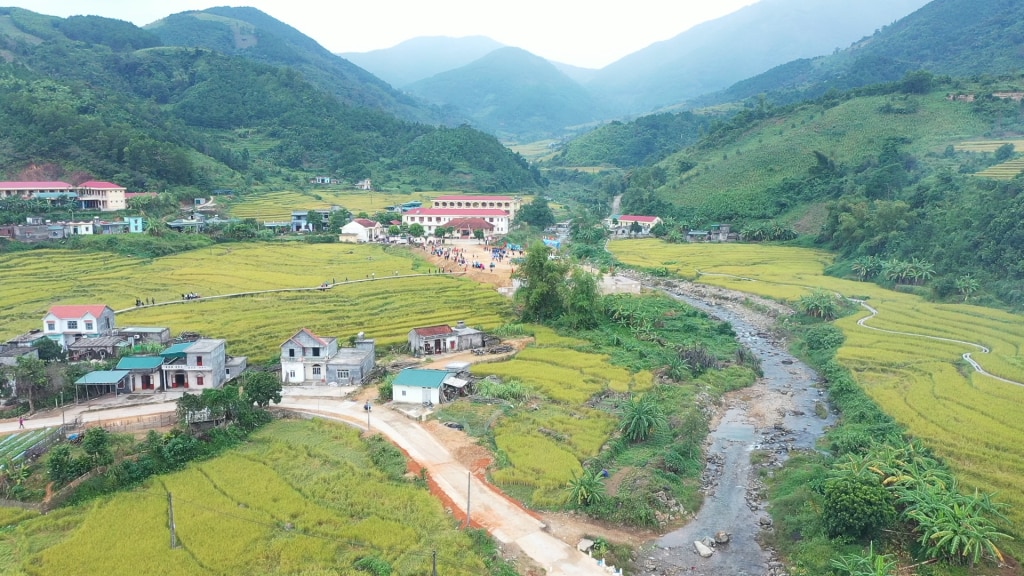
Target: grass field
[972,421]
[540,449]
[386,309]
[300,498]
[278,206]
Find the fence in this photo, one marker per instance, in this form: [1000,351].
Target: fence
[136,424]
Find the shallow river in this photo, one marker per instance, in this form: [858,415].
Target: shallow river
[733,501]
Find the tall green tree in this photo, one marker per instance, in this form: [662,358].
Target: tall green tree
[542,278]
[537,213]
[581,300]
[262,388]
[30,379]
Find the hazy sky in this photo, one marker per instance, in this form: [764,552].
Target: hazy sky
[586,33]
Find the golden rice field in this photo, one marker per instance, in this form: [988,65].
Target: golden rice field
[974,422]
[278,206]
[1006,171]
[544,447]
[988,145]
[385,308]
[300,498]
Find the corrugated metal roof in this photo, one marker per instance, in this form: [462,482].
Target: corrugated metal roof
[433,330]
[140,362]
[107,377]
[420,378]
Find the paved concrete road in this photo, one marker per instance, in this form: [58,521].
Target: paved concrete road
[506,521]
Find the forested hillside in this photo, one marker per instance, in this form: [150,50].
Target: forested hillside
[960,38]
[881,172]
[153,117]
[512,94]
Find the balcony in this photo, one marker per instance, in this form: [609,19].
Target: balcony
[187,368]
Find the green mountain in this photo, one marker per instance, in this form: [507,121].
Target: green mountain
[713,55]
[103,97]
[252,34]
[954,37]
[512,94]
[422,57]
[880,172]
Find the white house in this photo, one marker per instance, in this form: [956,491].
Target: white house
[310,359]
[431,218]
[416,386]
[104,196]
[65,324]
[626,222]
[361,230]
[199,364]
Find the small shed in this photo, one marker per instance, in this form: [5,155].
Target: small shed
[469,338]
[99,348]
[438,339]
[146,334]
[418,386]
[145,372]
[102,382]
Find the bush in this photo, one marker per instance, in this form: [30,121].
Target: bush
[856,507]
[824,337]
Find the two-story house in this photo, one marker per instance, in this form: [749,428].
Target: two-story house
[65,324]
[199,364]
[310,359]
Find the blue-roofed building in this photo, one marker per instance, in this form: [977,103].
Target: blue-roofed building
[418,386]
[145,372]
[102,382]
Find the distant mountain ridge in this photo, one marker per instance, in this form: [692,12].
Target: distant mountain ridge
[718,53]
[422,57]
[512,93]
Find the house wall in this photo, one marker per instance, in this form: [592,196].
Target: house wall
[415,395]
[67,330]
[431,222]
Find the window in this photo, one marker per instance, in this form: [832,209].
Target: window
[72,324]
[316,351]
[291,352]
[51,326]
[199,380]
[343,374]
[291,373]
[88,324]
[199,360]
[403,392]
[316,369]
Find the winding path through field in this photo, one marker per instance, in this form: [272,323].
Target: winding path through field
[874,312]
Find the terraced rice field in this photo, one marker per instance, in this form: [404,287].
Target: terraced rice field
[1006,171]
[386,308]
[300,498]
[988,145]
[541,449]
[974,422]
[278,206]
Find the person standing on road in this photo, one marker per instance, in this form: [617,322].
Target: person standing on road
[21,421]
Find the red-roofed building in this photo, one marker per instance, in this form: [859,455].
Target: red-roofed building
[507,203]
[464,227]
[433,340]
[66,324]
[431,218]
[91,195]
[626,221]
[103,196]
[30,189]
[361,230]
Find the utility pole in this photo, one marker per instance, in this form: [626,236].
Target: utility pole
[469,484]
[435,562]
[170,513]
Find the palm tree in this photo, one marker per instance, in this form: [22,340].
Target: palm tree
[641,415]
[585,488]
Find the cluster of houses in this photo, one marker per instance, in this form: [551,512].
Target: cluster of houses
[636,225]
[36,229]
[90,332]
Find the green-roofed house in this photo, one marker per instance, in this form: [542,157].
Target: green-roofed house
[418,386]
[146,373]
[102,382]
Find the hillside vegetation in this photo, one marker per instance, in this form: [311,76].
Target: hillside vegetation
[154,117]
[881,165]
